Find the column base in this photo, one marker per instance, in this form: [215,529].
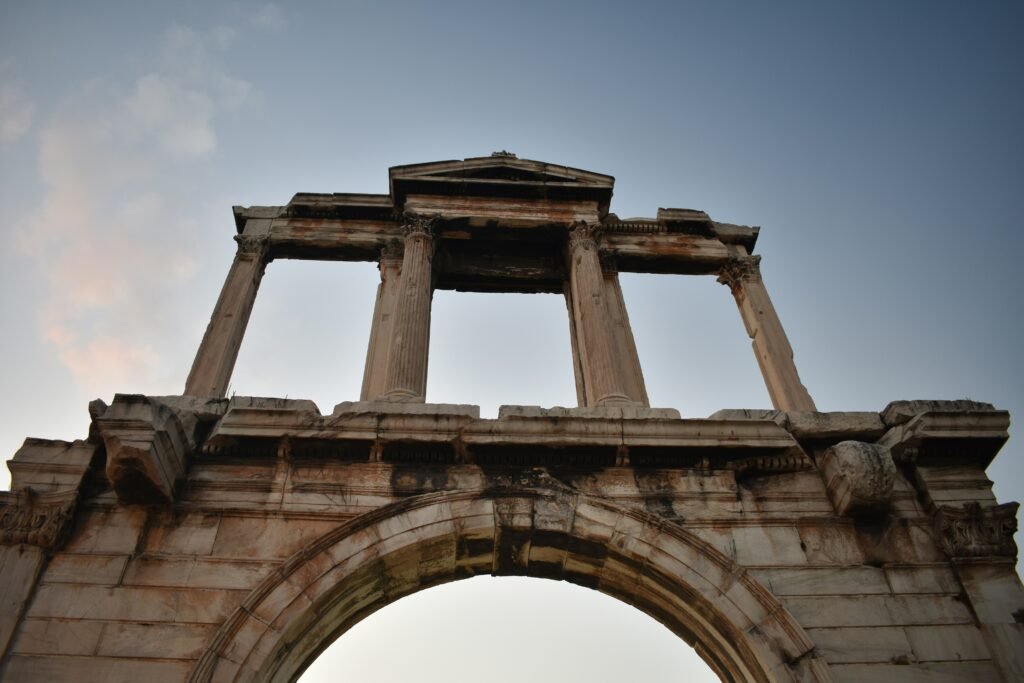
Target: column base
[401,396]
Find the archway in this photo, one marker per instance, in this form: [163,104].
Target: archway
[508,629]
[534,526]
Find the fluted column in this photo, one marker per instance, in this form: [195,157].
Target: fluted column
[602,381]
[771,347]
[215,360]
[625,355]
[406,376]
[388,291]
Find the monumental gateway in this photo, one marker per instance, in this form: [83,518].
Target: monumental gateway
[204,538]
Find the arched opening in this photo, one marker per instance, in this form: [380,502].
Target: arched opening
[526,524]
[504,630]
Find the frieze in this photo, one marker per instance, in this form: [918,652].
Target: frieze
[34,518]
[971,531]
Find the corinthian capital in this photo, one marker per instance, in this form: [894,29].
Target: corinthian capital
[40,519]
[252,247]
[583,236]
[739,270]
[416,224]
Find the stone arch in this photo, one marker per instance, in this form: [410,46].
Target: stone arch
[530,529]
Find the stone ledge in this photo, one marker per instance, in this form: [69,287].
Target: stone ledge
[405,408]
[606,412]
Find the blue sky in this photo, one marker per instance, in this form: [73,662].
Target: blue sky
[878,145]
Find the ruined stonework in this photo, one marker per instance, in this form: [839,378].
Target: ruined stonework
[200,538]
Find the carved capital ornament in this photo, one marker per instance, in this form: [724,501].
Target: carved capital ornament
[583,236]
[416,225]
[739,270]
[970,530]
[252,247]
[40,519]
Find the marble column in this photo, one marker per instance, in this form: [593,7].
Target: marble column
[771,347]
[625,355]
[388,291]
[602,382]
[215,360]
[406,375]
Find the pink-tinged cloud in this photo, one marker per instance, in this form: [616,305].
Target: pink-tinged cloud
[109,238]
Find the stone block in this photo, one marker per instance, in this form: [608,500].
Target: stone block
[150,570]
[858,477]
[922,579]
[113,531]
[823,580]
[191,533]
[856,426]
[947,643]
[995,592]
[768,545]
[900,412]
[74,568]
[829,543]
[50,465]
[862,645]
[58,637]
[95,669]
[637,412]
[272,538]
[159,641]
[19,567]
[406,408]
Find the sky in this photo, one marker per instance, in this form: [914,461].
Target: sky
[878,144]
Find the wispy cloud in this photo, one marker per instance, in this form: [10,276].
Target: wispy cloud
[16,108]
[269,17]
[109,238]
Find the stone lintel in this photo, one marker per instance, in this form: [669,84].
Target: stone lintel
[361,239]
[148,443]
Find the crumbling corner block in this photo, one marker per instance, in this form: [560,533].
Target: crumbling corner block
[148,443]
[859,477]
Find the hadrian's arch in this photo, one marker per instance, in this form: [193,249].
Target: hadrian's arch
[205,538]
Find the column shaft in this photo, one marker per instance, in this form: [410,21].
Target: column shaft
[771,347]
[406,377]
[626,356]
[215,360]
[603,382]
[388,293]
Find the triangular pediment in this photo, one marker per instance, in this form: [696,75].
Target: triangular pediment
[501,167]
